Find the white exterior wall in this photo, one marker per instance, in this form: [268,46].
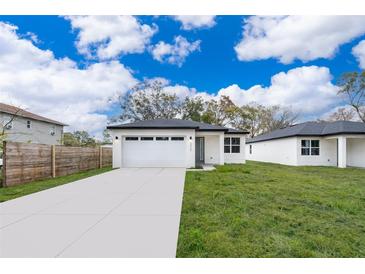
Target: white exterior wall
[212,153]
[120,133]
[281,151]
[38,133]
[213,146]
[327,152]
[236,158]
[356,152]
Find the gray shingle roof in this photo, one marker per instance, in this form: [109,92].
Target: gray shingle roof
[175,124]
[313,129]
[26,114]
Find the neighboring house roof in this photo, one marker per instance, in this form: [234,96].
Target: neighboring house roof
[175,124]
[26,114]
[312,129]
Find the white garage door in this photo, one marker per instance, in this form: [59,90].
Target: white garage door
[154,151]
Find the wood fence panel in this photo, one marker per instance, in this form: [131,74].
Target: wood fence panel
[107,157]
[28,162]
[75,159]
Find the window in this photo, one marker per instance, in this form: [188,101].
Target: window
[177,138]
[52,131]
[162,138]
[232,145]
[250,149]
[310,147]
[8,125]
[227,145]
[146,138]
[131,138]
[28,124]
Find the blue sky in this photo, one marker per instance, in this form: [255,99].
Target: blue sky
[212,55]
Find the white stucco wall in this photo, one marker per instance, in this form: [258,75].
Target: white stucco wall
[120,133]
[281,151]
[236,158]
[213,145]
[356,152]
[327,152]
[211,149]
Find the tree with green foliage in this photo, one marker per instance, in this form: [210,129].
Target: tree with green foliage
[352,87]
[219,112]
[148,101]
[258,119]
[106,137]
[192,108]
[79,138]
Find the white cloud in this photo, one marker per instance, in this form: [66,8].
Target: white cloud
[57,88]
[287,38]
[110,36]
[174,53]
[307,90]
[190,22]
[359,52]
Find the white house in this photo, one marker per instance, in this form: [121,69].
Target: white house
[175,143]
[340,143]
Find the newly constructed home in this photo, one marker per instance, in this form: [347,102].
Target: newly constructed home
[340,143]
[23,126]
[175,143]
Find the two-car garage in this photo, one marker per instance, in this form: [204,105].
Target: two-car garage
[154,151]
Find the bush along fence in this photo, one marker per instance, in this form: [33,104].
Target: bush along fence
[23,162]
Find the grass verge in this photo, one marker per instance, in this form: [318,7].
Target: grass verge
[8,193]
[270,210]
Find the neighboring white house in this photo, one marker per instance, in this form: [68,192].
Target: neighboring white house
[26,127]
[340,143]
[175,143]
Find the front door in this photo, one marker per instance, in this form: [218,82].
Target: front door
[199,151]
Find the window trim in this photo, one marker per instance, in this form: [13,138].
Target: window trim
[231,145]
[29,124]
[250,149]
[310,148]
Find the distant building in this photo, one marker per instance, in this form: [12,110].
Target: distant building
[28,127]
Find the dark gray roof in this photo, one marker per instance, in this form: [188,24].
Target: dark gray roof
[312,129]
[175,124]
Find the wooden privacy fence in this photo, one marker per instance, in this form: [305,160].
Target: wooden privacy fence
[23,162]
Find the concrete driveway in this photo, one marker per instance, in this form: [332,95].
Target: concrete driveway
[130,212]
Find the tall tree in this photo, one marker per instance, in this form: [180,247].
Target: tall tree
[258,119]
[276,117]
[192,108]
[106,137]
[148,101]
[352,86]
[219,112]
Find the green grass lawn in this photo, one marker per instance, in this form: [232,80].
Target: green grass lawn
[269,210]
[7,193]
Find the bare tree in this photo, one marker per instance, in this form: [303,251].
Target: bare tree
[352,86]
[4,126]
[342,114]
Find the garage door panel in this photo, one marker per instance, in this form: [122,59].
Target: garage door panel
[154,153]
